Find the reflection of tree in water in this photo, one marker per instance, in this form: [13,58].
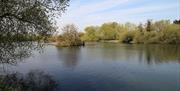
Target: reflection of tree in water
[69,56]
[35,80]
[161,53]
[10,52]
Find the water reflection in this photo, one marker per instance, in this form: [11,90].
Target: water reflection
[69,56]
[35,80]
[100,67]
[161,53]
[149,54]
[12,52]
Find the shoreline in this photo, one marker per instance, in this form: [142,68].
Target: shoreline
[109,41]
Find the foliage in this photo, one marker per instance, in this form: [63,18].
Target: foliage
[12,53]
[162,31]
[176,21]
[161,25]
[91,34]
[149,26]
[140,27]
[127,36]
[109,31]
[70,36]
[35,80]
[28,17]
[170,35]
[150,37]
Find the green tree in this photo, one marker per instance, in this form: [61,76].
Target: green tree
[176,21]
[26,20]
[161,25]
[162,31]
[130,26]
[140,27]
[29,17]
[70,36]
[90,34]
[149,26]
[127,36]
[109,31]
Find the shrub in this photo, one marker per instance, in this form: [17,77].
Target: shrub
[170,35]
[127,36]
[70,37]
[90,34]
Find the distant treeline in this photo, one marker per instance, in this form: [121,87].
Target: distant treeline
[163,31]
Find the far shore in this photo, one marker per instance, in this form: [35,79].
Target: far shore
[95,42]
[89,42]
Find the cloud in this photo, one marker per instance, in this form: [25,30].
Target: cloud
[95,7]
[84,13]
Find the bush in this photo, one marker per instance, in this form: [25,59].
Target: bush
[127,36]
[170,35]
[70,37]
[139,37]
[162,31]
[150,37]
[90,34]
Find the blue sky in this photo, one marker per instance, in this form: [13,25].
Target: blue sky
[84,13]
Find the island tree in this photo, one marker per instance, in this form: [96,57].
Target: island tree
[69,37]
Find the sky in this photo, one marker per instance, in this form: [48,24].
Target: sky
[85,13]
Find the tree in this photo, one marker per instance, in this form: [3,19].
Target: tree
[140,27]
[90,34]
[108,31]
[20,19]
[29,17]
[161,25]
[149,26]
[70,36]
[176,21]
[130,26]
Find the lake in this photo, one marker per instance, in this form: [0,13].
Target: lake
[99,67]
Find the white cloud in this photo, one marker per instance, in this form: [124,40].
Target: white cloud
[98,13]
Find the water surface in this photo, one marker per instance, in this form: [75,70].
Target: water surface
[102,67]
